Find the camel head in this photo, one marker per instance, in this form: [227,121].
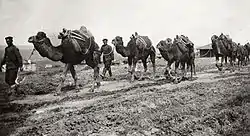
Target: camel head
[63,34]
[43,45]
[214,38]
[247,45]
[37,38]
[117,41]
[162,46]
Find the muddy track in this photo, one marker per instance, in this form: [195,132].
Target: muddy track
[212,104]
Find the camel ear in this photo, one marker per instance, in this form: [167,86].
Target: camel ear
[133,36]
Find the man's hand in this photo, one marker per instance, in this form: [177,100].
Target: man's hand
[21,69]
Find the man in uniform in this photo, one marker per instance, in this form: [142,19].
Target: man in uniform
[169,41]
[108,56]
[13,60]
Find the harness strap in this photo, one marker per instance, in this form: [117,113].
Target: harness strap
[74,37]
[140,39]
[112,50]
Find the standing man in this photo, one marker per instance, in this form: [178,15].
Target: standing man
[13,60]
[108,56]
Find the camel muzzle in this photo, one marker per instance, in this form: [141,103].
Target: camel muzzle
[31,39]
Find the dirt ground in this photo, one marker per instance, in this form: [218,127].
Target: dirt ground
[212,104]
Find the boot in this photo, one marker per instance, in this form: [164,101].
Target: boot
[110,72]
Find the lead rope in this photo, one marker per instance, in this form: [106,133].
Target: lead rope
[73,38]
[112,50]
[205,54]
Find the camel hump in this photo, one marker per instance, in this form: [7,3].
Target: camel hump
[181,45]
[81,39]
[84,31]
[143,41]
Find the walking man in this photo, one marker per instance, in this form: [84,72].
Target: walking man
[13,60]
[108,56]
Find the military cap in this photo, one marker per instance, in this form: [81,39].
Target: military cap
[9,38]
[105,39]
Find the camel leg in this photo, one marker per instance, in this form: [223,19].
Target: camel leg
[73,73]
[238,64]
[104,72]
[183,70]
[217,61]
[133,70]
[231,60]
[191,67]
[194,68]
[94,63]
[167,72]
[176,74]
[144,62]
[226,60]
[221,64]
[130,61]
[152,58]
[96,79]
[59,87]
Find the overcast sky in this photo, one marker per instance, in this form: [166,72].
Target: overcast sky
[159,19]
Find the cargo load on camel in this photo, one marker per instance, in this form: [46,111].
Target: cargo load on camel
[79,37]
[143,42]
[189,46]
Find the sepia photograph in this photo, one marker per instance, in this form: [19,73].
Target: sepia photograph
[124,68]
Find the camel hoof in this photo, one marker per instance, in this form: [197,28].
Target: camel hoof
[91,90]
[77,88]
[140,79]
[98,84]
[153,78]
[176,81]
[57,94]
[102,76]
[132,80]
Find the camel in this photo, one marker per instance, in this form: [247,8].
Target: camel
[179,53]
[68,54]
[139,48]
[224,47]
[241,55]
[247,46]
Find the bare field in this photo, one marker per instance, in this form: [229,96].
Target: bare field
[213,104]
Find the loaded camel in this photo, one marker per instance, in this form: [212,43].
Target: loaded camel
[138,48]
[180,52]
[74,48]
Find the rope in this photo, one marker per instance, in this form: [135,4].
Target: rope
[32,52]
[140,39]
[205,54]
[112,50]
[75,36]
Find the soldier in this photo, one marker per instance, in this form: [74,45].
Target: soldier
[169,41]
[13,60]
[108,56]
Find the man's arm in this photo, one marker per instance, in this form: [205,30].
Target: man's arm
[4,59]
[101,50]
[19,58]
[112,53]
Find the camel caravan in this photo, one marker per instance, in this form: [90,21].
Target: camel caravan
[79,45]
